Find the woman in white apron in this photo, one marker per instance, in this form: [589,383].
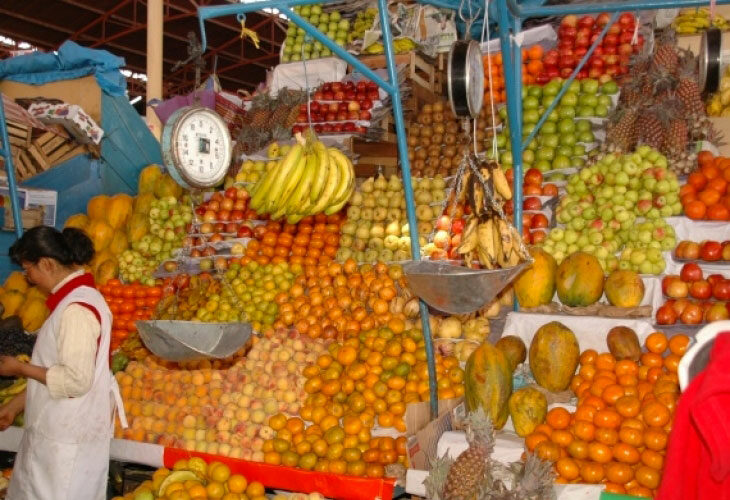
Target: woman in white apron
[71,393]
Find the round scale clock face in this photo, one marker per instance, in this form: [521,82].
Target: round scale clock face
[475,82]
[200,147]
[465,78]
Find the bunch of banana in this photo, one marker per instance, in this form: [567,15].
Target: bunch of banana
[400,45]
[488,236]
[692,21]
[719,103]
[310,179]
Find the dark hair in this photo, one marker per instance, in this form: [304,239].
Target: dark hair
[70,246]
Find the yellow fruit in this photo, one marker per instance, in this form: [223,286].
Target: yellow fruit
[143,203]
[119,243]
[119,208]
[198,465]
[79,221]
[147,179]
[97,207]
[101,234]
[237,483]
[34,292]
[137,227]
[219,473]
[11,301]
[16,281]
[107,270]
[166,186]
[33,313]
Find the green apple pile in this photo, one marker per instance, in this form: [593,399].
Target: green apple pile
[618,205]
[377,225]
[298,45]
[363,22]
[561,141]
[168,219]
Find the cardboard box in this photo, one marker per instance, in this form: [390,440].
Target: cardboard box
[722,124]
[424,433]
[84,92]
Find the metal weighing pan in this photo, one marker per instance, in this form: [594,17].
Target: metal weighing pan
[455,289]
[188,340]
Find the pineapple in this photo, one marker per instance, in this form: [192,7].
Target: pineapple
[470,470]
[651,129]
[260,110]
[687,89]
[666,55]
[621,132]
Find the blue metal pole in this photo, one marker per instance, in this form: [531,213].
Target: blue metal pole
[570,79]
[10,171]
[527,11]
[391,87]
[400,132]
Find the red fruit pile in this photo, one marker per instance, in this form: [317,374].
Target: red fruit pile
[128,304]
[707,250]
[691,283]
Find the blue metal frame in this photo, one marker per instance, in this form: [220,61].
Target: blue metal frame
[390,86]
[7,154]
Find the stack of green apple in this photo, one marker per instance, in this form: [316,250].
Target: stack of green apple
[377,226]
[561,141]
[601,210]
[298,45]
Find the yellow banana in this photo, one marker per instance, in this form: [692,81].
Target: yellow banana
[322,170]
[301,193]
[500,184]
[261,189]
[284,170]
[333,176]
[346,175]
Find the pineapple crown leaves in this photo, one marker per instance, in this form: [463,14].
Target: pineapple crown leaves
[436,480]
[535,479]
[480,430]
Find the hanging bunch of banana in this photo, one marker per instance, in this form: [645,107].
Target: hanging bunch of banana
[488,237]
[310,179]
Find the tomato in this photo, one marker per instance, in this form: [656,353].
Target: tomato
[127,307]
[695,209]
[128,292]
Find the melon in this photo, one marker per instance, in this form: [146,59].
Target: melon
[166,186]
[16,281]
[488,383]
[97,207]
[535,286]
[11,301]
[33,313]
[147,179]
[119,243]
[579,280]
[79,221]
[624,288]
[143,203]
[101,234]
[119,208]
[527,408]
[554,356]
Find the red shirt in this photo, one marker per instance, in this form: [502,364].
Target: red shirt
[698,459]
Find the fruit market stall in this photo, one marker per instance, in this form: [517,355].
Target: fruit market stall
[606,229]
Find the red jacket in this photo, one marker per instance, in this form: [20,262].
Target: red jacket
[698,459]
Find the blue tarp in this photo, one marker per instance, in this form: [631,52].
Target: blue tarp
[71,61]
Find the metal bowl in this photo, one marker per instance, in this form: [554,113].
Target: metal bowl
[455,289]
[189,340]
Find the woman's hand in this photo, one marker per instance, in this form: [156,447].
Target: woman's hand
[10,410]
[10,367]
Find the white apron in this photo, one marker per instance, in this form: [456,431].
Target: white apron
[64,453]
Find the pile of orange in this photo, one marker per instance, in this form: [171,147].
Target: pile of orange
[329,446]
[706,196]
[334,300]
[128,304]
[494,85]
[619,432]
[373,377]
[314,240]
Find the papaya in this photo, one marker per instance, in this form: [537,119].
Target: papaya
[527,408]
[79,221]
[16,281]
[119,243]
[11,301]
[101,234]
[147,179]
[624,288]
[119,208]
[143,203]
[554,356]
[623,343]
[34,292]
[137,227]
[488,383]
[513,348]
[96,208]
[535,286]
[579,280]
[33,313]
[99,258]
[107,270]
[166,186]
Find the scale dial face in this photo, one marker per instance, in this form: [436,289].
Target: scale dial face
[200,147]
[465,78]
[475,79]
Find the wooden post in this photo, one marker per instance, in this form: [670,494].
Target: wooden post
[155,30]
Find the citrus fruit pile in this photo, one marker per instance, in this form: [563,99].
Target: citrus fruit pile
[128,303]
[705,196]
[619,431]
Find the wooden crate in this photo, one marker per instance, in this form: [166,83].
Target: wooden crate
[419,96]
[420,70]
[31,217]
[375,157]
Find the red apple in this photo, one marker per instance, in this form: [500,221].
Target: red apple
[569,20]
[603,19]
[218,227]
[227,204]
[668,280]
[353,106]
[690,272]
[716,312]
[615,29]
[373,95]
[441,239]
[721,290]
[214,205]
[231,193]
[353,115]
[244,231]
[366,104]
[626,19]
[539,221]
[678,305]
[224,215]
[700,289]
[536,237]
[231,227]
[240,205]
[692,251]
[665,315]
[586,22]
[350,95]
[692,314]
[237,215]
[209,216]
[625,49]
[457,225]
[532,203]
[251,214]
[725,250]
[715,278]
[365,115]
[443,223]
[710,250]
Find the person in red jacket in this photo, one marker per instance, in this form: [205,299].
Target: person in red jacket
[697,464]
